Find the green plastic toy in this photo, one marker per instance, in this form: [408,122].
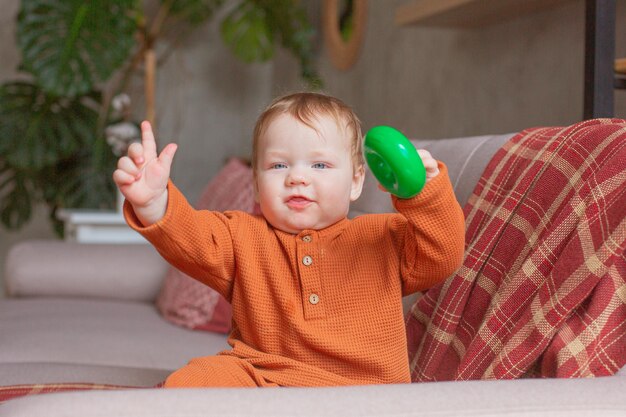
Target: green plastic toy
[394,161]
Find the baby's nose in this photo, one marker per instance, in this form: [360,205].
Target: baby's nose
[297,178]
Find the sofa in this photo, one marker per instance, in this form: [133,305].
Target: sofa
[85,313]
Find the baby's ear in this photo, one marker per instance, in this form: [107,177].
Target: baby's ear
[357,183]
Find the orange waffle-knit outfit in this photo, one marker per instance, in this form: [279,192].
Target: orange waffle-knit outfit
[319,308]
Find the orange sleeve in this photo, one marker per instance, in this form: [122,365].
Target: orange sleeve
[198,242]
[430,234]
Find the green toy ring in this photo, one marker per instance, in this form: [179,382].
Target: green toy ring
[394,161]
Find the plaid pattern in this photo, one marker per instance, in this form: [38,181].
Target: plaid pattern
[16,391]
[542,289]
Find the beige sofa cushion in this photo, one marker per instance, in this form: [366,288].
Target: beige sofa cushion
[50,268]
[93,332]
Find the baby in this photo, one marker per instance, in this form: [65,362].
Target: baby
[316,297]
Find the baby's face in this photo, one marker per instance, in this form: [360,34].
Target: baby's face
[305,178]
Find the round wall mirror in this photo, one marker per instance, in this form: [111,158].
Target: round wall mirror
[343,24]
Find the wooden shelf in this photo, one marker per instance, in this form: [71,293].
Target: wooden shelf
[466,13]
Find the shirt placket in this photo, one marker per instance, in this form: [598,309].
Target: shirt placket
[309,269]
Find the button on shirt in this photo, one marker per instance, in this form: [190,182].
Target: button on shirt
[314,299]
[309,248]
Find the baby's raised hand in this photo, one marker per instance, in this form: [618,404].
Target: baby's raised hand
[430,164]
[142,176]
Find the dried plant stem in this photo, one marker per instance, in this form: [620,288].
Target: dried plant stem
[150,85]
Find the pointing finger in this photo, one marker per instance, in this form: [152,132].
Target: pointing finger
[148,141]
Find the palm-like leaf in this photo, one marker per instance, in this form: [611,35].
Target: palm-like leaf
[39,130]
[248,34]
[254,26]
[50,150]
[15,197]
[85,180]
[291,25]
[71,45]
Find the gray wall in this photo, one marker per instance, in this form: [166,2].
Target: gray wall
[428,82]
[438,82]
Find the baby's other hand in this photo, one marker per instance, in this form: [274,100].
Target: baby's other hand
[142,176]
[430,164]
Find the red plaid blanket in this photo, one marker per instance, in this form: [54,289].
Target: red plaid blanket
[542,289]
[16,391]
[11,392]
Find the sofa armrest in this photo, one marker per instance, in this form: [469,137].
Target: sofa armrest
[64,269]
[525,397]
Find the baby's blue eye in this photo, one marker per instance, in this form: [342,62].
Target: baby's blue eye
[320,165]
[279,166]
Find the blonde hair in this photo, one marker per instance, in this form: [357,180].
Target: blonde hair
[307,107]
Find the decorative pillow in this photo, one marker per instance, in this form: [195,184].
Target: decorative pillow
[185,301]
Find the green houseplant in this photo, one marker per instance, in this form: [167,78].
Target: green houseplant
[76,56]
